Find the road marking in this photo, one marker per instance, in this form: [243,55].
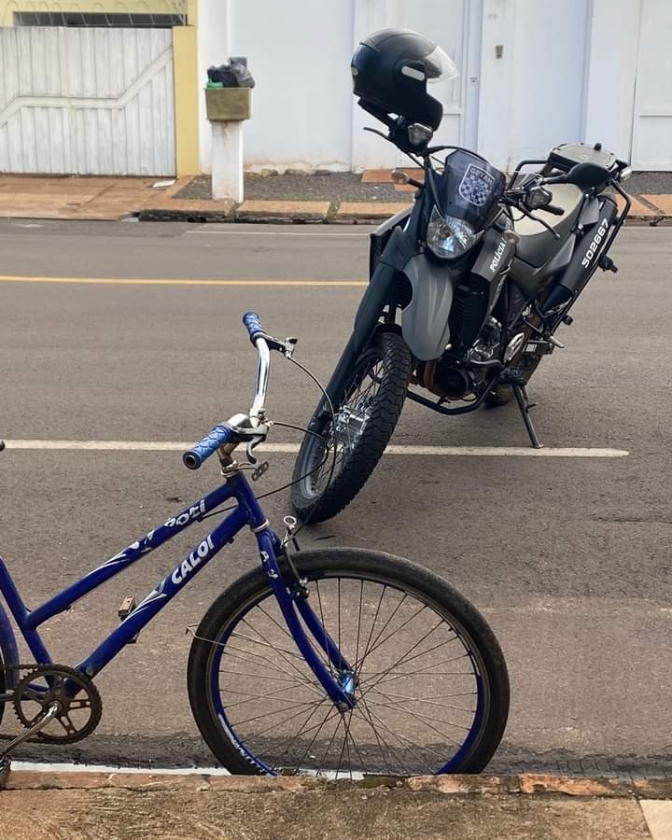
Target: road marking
[113,281]
[233,232]
[293,448]
[65,767]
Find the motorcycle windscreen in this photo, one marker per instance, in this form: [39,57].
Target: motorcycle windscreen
[469,188]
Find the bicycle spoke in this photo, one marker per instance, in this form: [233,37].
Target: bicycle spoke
[304,729]
[385,678]
[422,717]
[412,745]
[408,658]
[370,650]
[332,714]
[399,629]
[404,769]
[275,712]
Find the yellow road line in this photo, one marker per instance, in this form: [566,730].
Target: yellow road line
[112,281]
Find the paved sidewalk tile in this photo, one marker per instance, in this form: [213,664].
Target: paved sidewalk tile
[663,202]
[658,815]
[638,210]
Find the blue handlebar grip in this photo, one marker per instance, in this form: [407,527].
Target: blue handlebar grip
[208,446]
[253,324]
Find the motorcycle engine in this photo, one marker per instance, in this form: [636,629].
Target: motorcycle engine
[453,376]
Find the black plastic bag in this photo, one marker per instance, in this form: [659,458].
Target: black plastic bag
[232,74]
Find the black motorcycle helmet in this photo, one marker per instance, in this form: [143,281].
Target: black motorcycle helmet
[390,71]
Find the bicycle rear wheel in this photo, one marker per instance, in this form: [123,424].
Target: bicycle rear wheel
[432,691]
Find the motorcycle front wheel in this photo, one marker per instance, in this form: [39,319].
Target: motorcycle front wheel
[337,458]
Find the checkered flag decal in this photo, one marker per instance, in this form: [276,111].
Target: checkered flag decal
[476,185]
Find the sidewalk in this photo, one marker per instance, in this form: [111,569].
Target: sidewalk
[37,806]
[337,198]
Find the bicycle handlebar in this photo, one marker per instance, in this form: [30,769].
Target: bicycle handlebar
[223,433]
[220,435]
[253,324]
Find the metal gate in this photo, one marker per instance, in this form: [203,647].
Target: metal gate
[86,101]
[652,129]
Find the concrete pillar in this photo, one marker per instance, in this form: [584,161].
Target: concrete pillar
[214,38]
[227,160]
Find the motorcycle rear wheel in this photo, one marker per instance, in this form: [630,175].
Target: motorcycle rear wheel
[365,420]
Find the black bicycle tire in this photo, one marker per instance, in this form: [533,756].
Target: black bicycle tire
[369,448]
[408,576]
[3,685]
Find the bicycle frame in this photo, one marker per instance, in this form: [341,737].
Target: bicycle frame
[247,512]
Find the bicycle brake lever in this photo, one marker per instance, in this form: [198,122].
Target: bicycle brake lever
[253,443]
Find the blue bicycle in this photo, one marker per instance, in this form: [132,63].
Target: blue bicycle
[337,662]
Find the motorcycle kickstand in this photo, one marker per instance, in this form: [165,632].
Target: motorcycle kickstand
[524,405]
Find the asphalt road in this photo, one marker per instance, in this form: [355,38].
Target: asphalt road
[569,558]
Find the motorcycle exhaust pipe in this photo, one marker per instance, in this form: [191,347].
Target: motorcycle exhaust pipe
[585,259]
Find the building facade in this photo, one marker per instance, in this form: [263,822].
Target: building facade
[115,86]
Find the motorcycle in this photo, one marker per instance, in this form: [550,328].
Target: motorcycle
[467,289]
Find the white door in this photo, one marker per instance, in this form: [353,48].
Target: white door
[86,101]
[453,24]
[652,128]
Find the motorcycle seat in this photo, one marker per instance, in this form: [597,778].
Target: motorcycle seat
[537,245]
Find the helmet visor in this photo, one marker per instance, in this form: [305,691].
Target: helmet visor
[439,66]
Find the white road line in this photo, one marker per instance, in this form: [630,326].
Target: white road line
[233,232]
[66,767]
[293,448]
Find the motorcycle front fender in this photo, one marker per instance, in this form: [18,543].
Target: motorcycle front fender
[424,322]
[398,251]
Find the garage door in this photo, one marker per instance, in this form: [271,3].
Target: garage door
[86,101]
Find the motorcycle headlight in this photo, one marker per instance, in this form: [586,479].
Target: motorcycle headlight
[448,237]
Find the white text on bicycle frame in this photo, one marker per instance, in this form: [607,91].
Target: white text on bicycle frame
[192,561]
[193,513]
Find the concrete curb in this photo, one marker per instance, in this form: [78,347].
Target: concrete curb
[288,213]
[528,784]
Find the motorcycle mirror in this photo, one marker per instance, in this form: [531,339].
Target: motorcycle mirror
[419,134]
[400,177]
[588,175]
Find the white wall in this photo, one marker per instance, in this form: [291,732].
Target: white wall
[299,54]
[568,72]
[532,98]
[448,23]
[652,129]
[611,74]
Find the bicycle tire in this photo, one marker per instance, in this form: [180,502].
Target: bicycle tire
[249,746]
[318,504]
[3,685]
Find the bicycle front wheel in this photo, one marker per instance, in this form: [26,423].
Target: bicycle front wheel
[431,687]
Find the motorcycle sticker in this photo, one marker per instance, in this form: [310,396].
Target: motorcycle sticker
[476,185]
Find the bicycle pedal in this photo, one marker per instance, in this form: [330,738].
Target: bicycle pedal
[128,606]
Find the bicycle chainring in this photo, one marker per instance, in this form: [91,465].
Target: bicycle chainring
[81,707]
